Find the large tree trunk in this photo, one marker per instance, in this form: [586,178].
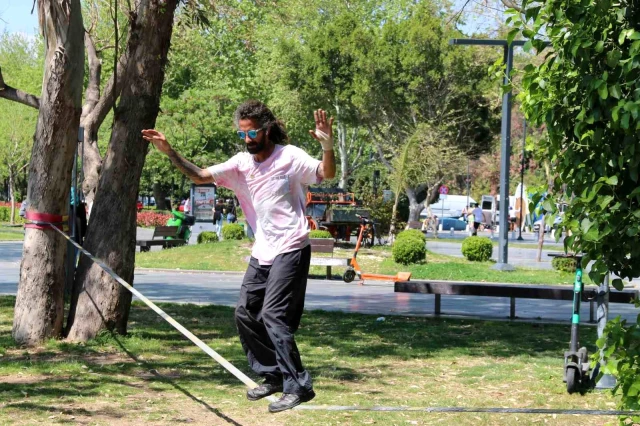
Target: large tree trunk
[160,196]
[38,312]
[98,301]
[415,207]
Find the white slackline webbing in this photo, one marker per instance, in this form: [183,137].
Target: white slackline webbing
[251,384]
[213,354]
[497,410]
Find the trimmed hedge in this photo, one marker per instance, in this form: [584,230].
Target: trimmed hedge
[232,231]
[207,237]
[477,249]
[564,264]
[5,214]
[409,250]
[319,233]
[412,233]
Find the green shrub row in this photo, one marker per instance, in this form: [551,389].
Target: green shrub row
[409,247]
[232,231]
[477,249]
[320,233]
[207,237]
[564,264]
[5,214]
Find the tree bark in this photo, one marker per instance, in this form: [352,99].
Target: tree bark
[98,301]
[160,196]
[38,311]
[414,206]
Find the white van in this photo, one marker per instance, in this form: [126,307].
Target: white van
[448,206]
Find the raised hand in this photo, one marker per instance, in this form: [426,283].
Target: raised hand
[324,129]
[157,139]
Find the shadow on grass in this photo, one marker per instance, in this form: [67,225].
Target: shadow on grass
[356,336]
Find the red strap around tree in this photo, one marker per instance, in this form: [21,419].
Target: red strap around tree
[44,220]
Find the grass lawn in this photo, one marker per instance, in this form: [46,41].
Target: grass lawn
[11,233]
[155,376]
[221,256]
[230,255]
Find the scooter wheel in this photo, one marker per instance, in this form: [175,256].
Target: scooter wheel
[572,379]
[349,275]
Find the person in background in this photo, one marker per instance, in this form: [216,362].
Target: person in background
[231,216]
[512,219]
[187,206]
[478,218]
[217,220]
[23,208]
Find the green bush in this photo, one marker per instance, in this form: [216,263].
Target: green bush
[564,264]
[5,214]
[319,233]
[477,249]
[207,237]
[412,234]
[232,231]
[409,250]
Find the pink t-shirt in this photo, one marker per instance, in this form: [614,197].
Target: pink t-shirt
[272,195]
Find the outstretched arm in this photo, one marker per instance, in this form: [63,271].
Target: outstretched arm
[190,170]
[324,135]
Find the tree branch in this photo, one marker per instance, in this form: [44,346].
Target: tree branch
[379,149]
[16,95]
[512,5]
[107,100]
[95,67]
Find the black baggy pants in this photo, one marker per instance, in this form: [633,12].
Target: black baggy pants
[267,315]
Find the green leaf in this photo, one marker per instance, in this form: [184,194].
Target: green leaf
[618,284]
[527,46]
[604,202]
[513,33]
[625,120]
[615,114]
[613,180]
[603,92]
[613,57]
[615,91]
[622,36]
[599,46]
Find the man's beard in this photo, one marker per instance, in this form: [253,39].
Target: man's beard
[256,147]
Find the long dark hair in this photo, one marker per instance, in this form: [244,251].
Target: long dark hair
[258,111]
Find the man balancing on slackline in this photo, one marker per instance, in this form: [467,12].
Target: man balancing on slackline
[270,181]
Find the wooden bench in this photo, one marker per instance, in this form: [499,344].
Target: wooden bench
[513,291]
[158,239]
[326,245]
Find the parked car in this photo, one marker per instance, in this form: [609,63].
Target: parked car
[453,222]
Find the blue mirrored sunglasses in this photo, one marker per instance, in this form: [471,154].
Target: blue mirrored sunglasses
[252,134]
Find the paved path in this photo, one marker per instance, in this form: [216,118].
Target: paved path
[379,299]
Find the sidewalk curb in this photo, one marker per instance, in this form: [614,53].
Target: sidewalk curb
[189,271]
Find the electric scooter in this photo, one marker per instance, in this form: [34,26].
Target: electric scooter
[576,361]
[354,269]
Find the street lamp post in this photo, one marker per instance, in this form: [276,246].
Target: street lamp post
[524,143]
[505,146]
